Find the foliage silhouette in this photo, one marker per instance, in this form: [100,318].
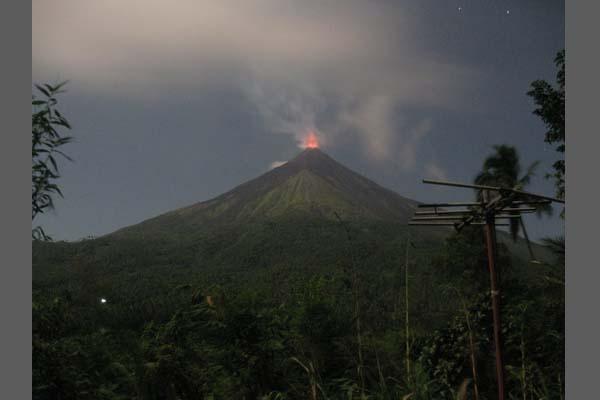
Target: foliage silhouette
[46,144]
[550,102]
[503,168]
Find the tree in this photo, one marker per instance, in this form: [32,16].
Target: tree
[503,168]
[46,142]
[550,103]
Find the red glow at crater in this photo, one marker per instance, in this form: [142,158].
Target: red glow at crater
[311,141]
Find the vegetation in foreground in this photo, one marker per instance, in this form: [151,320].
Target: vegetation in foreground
[172,329]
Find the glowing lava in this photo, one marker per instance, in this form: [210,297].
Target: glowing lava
[311,141]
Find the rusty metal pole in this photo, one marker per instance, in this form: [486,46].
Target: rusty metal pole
[490,237]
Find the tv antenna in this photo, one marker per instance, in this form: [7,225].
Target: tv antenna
[497,203]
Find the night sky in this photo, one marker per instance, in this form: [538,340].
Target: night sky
[176,102]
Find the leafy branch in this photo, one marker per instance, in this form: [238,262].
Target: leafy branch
[46,141]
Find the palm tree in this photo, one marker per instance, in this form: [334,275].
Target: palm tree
[503,169]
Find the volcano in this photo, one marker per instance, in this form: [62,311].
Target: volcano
[296,209]
[312,185]
[311,216]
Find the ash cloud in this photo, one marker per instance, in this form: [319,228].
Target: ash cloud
[350,69]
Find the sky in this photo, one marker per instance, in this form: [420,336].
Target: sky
[173,103]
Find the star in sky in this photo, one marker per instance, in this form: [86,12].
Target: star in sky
[460,10]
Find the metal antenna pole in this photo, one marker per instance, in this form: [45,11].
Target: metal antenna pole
[490,238]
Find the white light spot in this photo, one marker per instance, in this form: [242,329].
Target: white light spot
[276,164]
[459,8]
[103,300]
[508,11]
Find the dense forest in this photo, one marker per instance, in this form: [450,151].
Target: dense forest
[139,319]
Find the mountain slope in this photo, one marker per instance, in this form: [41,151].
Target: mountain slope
[312,184]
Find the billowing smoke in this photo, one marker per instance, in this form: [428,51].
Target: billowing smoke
[352,69]
[291,111]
